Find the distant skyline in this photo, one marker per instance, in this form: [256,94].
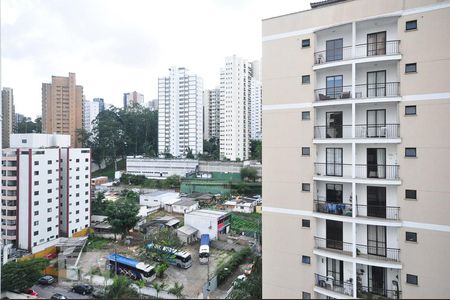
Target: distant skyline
[119,46]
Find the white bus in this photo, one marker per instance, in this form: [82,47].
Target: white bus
[130,267]
[203,252]
[181,259]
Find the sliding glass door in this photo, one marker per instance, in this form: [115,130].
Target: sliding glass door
[376,162]
[376,84]
[376,123]
[334,161]
[334,49]
[334,124]
[376,43]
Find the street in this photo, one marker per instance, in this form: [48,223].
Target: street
[46,291]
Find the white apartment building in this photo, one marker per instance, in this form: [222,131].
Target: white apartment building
[355,151]
[131,98]
[180,113]
[211,114]
[90,111]
[238,84]
[43,182]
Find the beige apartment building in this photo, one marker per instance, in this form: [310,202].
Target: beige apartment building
[62,107]
[356,150]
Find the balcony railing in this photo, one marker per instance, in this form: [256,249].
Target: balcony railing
[333,132]
[377,171]
[332,93]
[329,283]
[362,91]
[377,90]
[322,243]
[377,48]
[341,209]
[382,253]
[377,131]
[333,169]
[378,211]
[367,292]
[361,50]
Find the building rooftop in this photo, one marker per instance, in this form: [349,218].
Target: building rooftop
[208,213]
[185,202]
[324,3]
[159,193]
[187,230]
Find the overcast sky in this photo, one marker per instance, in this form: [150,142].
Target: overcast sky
[122,46]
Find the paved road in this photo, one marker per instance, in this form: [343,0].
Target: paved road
[46,291]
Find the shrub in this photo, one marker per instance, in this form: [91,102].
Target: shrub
[226,269]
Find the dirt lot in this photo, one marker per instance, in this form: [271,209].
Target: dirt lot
[193,278]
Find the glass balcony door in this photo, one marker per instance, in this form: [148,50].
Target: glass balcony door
[334,124]
[376,123]
[376,84]
[376,201]
[334,86]
[376,240]
[334,234]
[334,161]
[334,50]
[376,162]
[376,43]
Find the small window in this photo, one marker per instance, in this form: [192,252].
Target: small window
[36,183]
[306,187]
[410,110]
[305,151]
[36,172]
[411,236]
[49,229]
[36,163]
[49,162]
[306,79]
[306,43]
[306,223]
[36,193]
[412,279]
[306,295]
[411,194]
[410,152]
[411,25]
[306,115]
[35,233]
[24,141]
[49,219]
[411,68]
[36,202]
[36,213]
[306,259]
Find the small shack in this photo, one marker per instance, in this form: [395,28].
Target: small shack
[187,234]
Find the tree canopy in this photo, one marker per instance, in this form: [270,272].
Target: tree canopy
[28,126]
[121,289]
[211,149]
[122,213]
[256,150]
[20,275]
[249,173]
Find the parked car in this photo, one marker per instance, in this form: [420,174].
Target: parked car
[58,296]
[51,256]
[83,289]
[47,280]
[99,294]
[30,292]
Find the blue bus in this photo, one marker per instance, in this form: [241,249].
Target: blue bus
[203,252]
[181,259]
[130,267]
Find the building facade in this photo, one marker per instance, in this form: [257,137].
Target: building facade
[180,113]
[160,168]
[355,151]
[211,114]
[101,104]
[9,124]
[239,82]
[62,107]
[44,181]
[132,98]
[90,111]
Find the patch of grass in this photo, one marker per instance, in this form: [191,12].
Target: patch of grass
[109,170]
[95,243]
[249,223]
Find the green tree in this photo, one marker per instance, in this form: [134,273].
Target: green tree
[164,237]
[84,137]
[141,284]
[252,287]
[159,287]
[22,274]
[249,173]
[99,204]
[122,214]
[28,126]
[120,289]
[189,154]
[256,150]
[211,149]
[177,290]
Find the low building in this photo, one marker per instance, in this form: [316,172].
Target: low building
[187,234]
[158,198]
[183,206]
[167,221]
[160,168]
[242,204]
[99,180]
[210,222]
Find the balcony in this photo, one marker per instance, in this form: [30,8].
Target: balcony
[362,91]
[378,211]
[377,252]
[366,292]
[333,208]
[344,53]
[362,131]
[333,169]
[329,283]
[333,245]
[379,171]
